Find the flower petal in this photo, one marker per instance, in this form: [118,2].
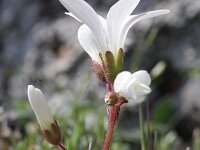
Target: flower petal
[142,76]
[105,30]
[140,99]
[130,92]
[116,18]
[121,81]
[136,18]
[40,107]
[88,42]
[84,12]
[134,89]
[144,90]
[131,89]
[71,15]
[133,102]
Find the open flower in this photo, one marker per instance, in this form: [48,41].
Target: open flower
[133,86]
[48,125]
[99,35]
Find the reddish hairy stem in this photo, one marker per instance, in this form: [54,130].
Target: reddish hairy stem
[62,147]
[113,113]
[111,125]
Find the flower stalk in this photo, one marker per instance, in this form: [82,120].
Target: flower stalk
[62,147]
[113,113]
[111,126]
[114,102]
[149,140]
[142,130]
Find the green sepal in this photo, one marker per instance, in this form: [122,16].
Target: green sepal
[119,61]
[52,135]
[114,65]
[110,64]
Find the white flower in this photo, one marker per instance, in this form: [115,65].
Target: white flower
[40,107]
[133,86]
[99,35]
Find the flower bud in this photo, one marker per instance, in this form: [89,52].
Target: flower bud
[48,125]
[111,98]
[99,70]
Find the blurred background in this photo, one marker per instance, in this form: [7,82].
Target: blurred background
[39,46]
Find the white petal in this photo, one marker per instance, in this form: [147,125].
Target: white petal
[134,102]
[142,76]
[105,30]
[135,89]
[40,107]
[71,15]
[88,42]
[130,91]
[120,82]
[144,90]
[116,18]
[84,12]
[140,99]
[136,18]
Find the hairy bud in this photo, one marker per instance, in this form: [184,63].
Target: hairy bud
[99,70]
[111,98]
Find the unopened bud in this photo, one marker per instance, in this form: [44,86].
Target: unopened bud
[111,98]
[48,125]
[99,70]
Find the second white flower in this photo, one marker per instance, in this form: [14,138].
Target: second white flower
[133,86]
